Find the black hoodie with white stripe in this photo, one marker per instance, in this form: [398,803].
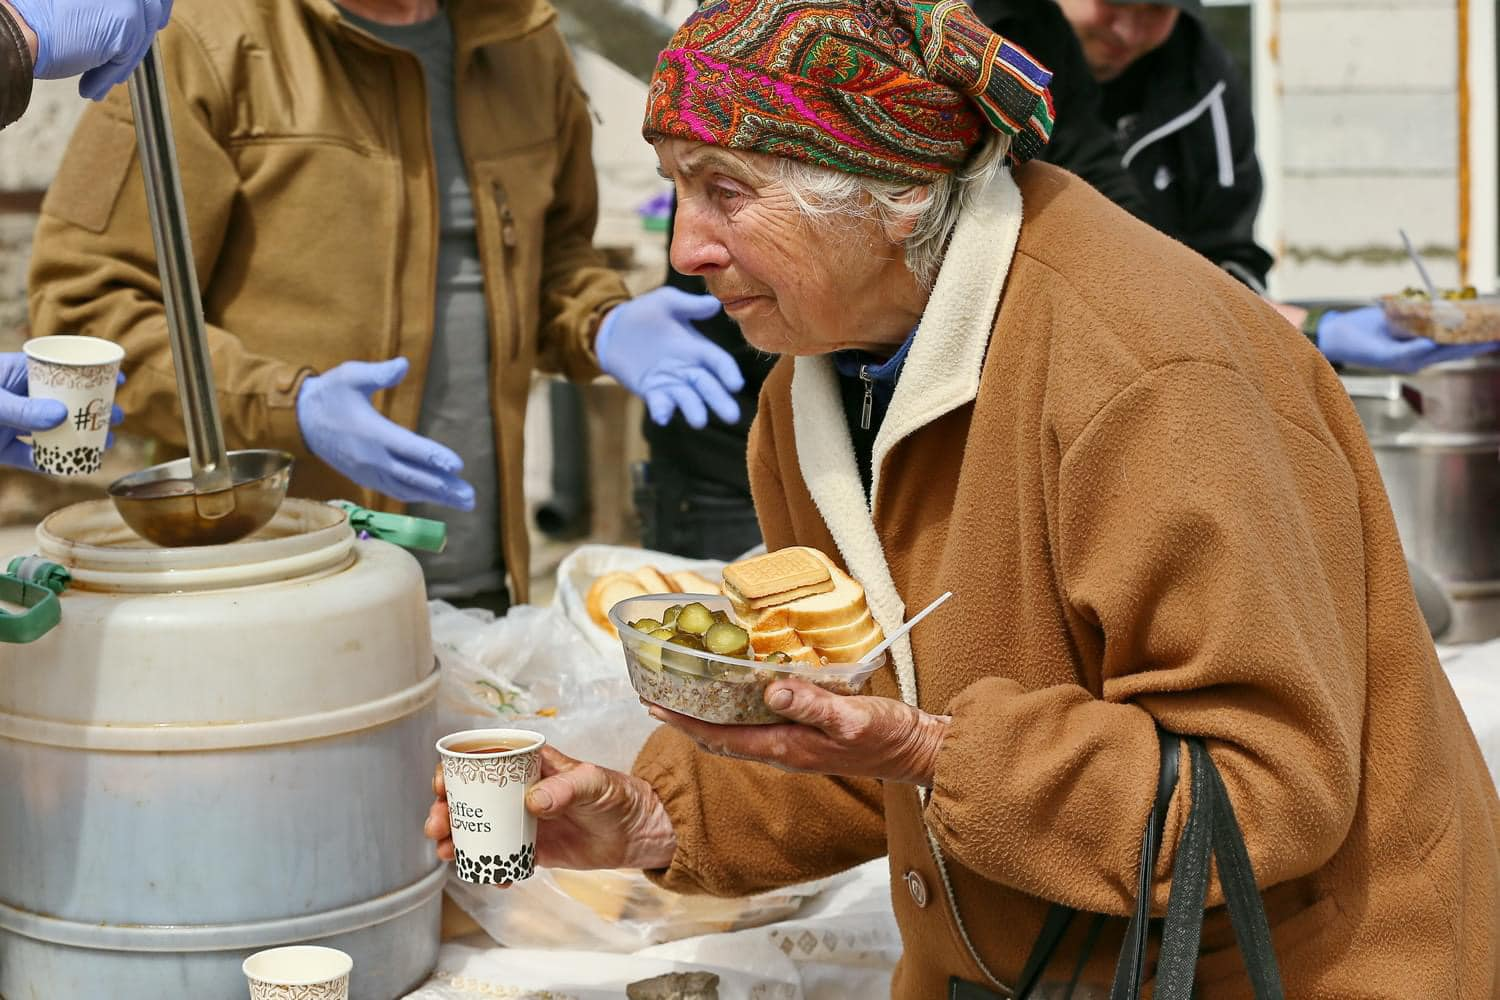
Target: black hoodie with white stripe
[1182,116]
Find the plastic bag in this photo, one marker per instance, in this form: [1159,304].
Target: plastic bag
[534,670]
[588,562]
[557,673]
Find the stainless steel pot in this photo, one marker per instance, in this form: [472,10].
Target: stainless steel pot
[1436,438]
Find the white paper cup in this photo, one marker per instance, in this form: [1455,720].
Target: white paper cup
[299,972]
[79,372]
[494,837]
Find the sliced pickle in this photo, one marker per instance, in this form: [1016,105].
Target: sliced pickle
[647,625]
[649,653]
[695,619]
[726,640]
[722,617]
[678,659]
[669,616]
[777,657]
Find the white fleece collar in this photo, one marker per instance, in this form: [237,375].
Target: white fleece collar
[941,374]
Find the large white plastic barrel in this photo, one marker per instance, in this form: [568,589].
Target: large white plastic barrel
[217,750]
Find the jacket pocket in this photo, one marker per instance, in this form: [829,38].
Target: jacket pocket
[93,172]
[505,269]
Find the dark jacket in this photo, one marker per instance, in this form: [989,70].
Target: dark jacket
[715,456]
[15,70]
[1081,141]
[1182,116]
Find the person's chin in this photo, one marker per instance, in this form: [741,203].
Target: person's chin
[767,333]
[1107,66]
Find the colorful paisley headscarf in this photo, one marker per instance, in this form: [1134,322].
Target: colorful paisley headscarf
[892,89]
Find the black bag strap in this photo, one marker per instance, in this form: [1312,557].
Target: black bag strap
[1242,897]
[1132,963]
[1211,830]
[1051,935]
[1059,917]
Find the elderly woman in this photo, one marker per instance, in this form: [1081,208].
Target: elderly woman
[1151,497]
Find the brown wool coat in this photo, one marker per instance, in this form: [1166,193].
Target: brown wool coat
[1152,500]
[308,173]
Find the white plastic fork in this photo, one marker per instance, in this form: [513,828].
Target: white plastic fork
[874,654]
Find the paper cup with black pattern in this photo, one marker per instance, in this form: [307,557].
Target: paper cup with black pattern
[494,837]
[80,372]
[298,972]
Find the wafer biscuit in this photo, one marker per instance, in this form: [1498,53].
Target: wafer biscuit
[778,573]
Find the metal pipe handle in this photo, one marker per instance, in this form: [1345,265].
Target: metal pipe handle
[179,281]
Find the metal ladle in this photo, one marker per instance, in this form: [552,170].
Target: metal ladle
[213,496]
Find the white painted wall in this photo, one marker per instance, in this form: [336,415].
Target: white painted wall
[1358,111]
[31,149]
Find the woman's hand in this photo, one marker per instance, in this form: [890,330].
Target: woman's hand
[587,817]
[856,737]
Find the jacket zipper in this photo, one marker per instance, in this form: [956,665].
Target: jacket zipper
[509,242]
[867,409]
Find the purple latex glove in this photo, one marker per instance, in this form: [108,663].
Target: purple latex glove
[20,414]
[650,346]
[341,427]
[100,40]
[1364,337]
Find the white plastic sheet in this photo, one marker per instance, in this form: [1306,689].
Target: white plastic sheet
[843,944]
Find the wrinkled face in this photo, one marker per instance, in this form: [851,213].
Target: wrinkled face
[1115,35]
[794,285]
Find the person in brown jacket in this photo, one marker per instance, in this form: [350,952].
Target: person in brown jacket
[392,205]
[1153,502]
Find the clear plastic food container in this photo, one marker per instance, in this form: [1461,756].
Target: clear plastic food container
[710,687]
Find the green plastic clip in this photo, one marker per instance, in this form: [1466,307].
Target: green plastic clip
[34,584]
[420,533]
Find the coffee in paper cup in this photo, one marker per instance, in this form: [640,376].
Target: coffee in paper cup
[79,372]
[488,773]
[298,972]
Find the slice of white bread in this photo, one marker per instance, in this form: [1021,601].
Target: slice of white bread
[688,582]
[850,652]
[652,579]
[839,635]
[608,590]
[773,639]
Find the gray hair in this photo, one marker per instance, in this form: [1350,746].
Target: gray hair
[820,192]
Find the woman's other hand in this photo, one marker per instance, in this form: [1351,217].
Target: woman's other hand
[856,737]
[587,817]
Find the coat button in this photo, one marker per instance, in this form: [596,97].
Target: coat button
[917,886]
